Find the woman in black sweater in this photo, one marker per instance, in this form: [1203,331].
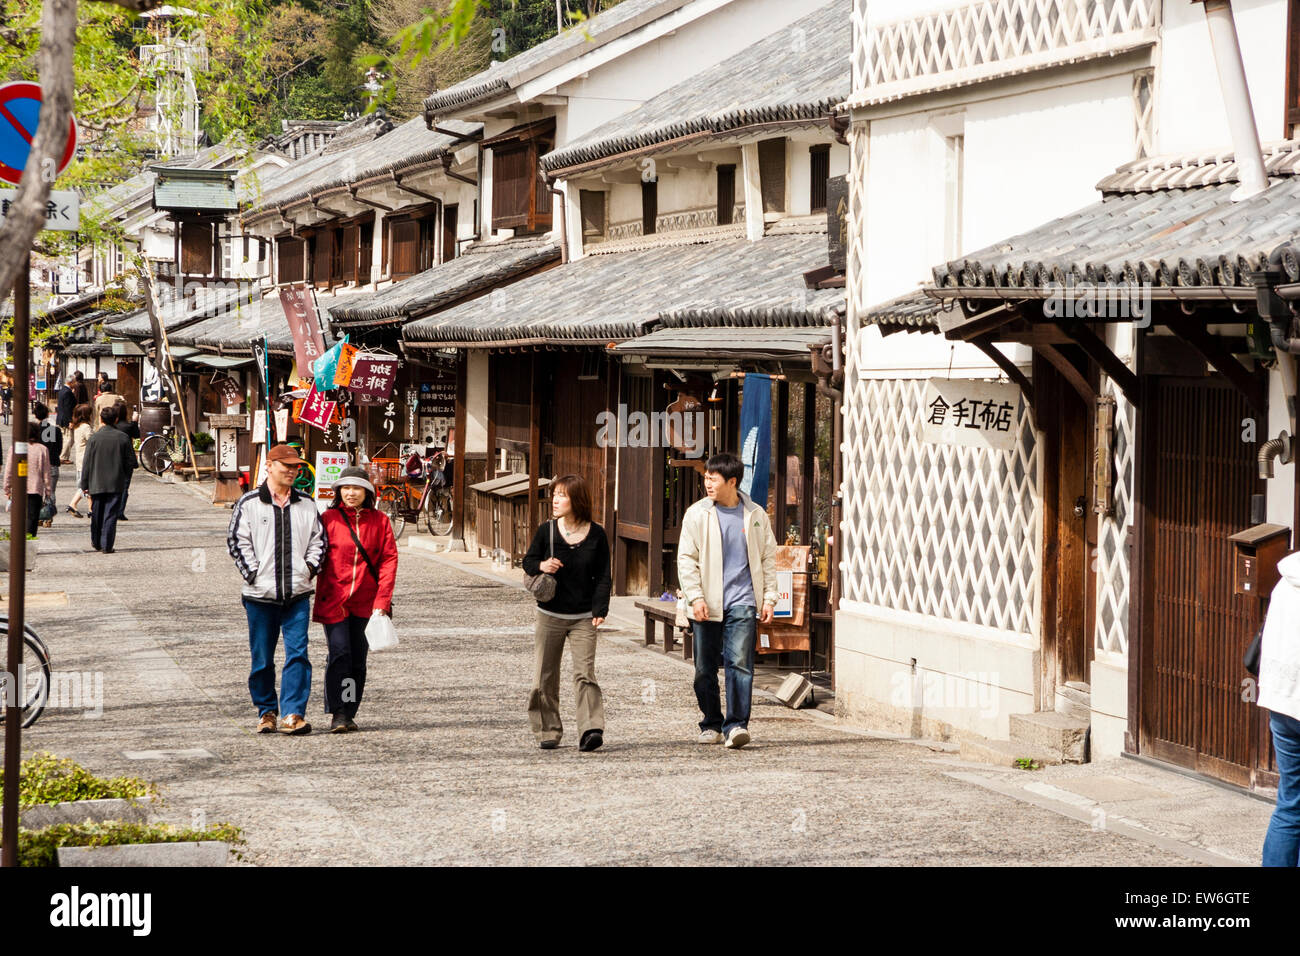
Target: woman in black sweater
[575,550]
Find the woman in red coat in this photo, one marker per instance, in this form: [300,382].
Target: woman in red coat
[355,582]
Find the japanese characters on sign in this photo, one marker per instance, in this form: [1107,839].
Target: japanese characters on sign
[316,410]
[329,465]
[304,326]
[347,360]
[227,450]
[372,378]
[970,413]
[231,392]
[438,399]
[62,209]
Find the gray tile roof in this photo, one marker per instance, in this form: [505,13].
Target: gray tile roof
[601,298]
[234,331]
[916,310]
[798,73]
[136,324]
[347,162]
[1188,170]
[1171,237]
[480,266]
[755,342]
[572,43]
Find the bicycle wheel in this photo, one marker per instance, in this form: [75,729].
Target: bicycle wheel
[33,679]
[154,455]
[437,512]
[393,503]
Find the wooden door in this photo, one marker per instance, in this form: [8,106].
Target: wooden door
[1201,478]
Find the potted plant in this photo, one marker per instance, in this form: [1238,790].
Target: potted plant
[32,550]
[202,444]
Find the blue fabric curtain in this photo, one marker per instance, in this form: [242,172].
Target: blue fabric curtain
[756,437]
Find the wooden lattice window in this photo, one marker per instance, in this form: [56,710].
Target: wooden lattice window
[347,239]
[450,225]
[365,251]
[819,171]
[593,213]
[290,253]
[649,207]
[726,194]
[322,255]
[520,197]
[771,174]
[404,243]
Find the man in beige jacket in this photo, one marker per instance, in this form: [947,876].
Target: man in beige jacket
[726,558]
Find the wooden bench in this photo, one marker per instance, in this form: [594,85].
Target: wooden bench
[664,613]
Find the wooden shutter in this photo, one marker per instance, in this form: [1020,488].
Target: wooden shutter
[593,212]
[348,254]
[289,253]
[196,248]
[771,174]
[649,207]
[365,252]
[427,258]
[512,191]
[405,247]
[450,225]
[726,194]
[322,254]
[820,166]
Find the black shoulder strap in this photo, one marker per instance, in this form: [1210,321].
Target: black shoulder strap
[361,549]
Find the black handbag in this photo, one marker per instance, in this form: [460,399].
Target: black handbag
[543,586]
[1250,660]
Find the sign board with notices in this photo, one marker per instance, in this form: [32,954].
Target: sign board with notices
[791,628]
[373,375]
[970,413]
[438,398]
[329,465]
[227,451]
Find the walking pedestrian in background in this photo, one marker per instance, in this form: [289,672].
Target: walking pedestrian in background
[66,405]
[132,431]
[105,469]
[80,428]
[107,398]
[726,562]
[52,439]
[575,550]
[1279,692]
[37,485]
[279,545]
[356,582]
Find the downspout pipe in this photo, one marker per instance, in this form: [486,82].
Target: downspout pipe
[1282,261]
[1236,99]
[564,218]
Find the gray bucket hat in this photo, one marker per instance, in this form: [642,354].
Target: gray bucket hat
[356,477]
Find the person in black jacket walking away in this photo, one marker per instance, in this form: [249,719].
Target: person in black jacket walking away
[575,550]
[107,465]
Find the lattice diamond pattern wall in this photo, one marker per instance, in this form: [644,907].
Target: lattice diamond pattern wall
[987,32]
[940,530]
[1112,541]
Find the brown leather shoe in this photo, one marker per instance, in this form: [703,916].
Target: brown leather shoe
[295,725]
[267,724]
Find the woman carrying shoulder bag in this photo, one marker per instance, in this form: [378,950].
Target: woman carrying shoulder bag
[1279,693]
[574,550]
[355,582]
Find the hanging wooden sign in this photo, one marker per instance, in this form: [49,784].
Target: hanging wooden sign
[971,413]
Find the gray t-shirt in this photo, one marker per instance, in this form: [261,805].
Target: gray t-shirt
[737,585]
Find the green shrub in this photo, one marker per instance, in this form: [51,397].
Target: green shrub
[38,847]
[45,778]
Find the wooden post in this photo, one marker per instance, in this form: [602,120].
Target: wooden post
[492,420]
[17,563]
[613,369]
[782,452]
[808,490]
[658,455]
[534,444]
[461,463]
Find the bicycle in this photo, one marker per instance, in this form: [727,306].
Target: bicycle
[434,503]
[35,691]
[159,452]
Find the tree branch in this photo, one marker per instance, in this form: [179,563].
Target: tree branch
[139,6]
[27,213]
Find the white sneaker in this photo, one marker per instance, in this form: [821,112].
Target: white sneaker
[709,737]
[738,737]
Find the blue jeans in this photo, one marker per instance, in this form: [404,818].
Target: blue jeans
[730,642]
[265,622]
[1282,844]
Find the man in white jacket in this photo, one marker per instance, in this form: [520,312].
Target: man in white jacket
[1279,692]
[726,563]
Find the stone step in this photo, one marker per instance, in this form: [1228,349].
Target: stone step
[1001,753]
[1054,734]
[1074,700]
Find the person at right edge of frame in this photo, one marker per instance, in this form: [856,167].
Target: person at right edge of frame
[575,550]
[726,564]
[1279,693]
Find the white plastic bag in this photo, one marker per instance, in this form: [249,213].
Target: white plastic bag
[380,633]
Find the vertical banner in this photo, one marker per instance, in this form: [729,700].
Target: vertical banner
[260,359]
[756,437]
[373,376]
[304,326]
[316,410]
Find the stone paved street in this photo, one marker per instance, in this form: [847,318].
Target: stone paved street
[445,770]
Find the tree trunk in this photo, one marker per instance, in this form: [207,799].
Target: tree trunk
[54,67]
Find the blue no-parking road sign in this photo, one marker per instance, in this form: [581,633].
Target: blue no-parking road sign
[20,109]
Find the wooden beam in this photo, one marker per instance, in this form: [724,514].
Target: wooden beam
[1110,363]
[1068,372]
[957,325]
[1010,369]
[534,444]
[1212,349]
